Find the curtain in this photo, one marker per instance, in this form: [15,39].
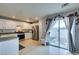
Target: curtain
[66,20]
[48,22]
[71,44]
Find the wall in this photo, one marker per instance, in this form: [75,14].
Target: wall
[42,30]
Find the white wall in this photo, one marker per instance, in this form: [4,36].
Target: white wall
[42,30]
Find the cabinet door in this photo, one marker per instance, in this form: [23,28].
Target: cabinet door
[2,24]
[7,24]
[28,35]
[10,24]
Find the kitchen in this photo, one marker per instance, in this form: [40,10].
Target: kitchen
[25,29]
[12,31]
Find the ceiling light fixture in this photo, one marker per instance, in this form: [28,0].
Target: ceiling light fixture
[36,18]
[27,20]
[13,17]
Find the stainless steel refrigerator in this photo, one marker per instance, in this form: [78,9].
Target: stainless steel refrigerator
[35,32]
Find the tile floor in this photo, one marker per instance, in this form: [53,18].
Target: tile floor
[33,47]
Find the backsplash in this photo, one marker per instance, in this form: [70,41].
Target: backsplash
[8,35]
[6,30]
[14,31]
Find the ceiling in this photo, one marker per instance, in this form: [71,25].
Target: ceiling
[26,11]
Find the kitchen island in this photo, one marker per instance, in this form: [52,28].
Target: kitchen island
[9,44]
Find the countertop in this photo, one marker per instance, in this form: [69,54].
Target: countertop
[8,37]
[14,32]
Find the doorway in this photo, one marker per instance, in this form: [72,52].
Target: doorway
[58,36]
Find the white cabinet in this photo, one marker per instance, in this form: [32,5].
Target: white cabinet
[7,24]
[10,24]
[2,24]
[9,47]
[28,35]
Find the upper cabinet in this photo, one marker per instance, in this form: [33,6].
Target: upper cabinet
[10,24]
[2,24]
[7,24]
[26,26]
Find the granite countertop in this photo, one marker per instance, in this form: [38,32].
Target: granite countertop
[7,37]
[14,32]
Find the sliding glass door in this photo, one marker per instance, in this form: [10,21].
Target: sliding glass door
[54,34]
[64,42]
[59,34]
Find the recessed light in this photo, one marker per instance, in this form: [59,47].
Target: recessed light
[13,17]
[36,18]
[27,19]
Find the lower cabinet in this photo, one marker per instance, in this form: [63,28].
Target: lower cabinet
[9,47]
[28,35]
